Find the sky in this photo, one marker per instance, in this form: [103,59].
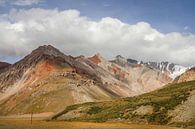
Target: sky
[148,30]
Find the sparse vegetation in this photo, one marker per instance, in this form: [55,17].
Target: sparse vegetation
[94,110]
[161,100]
[69,108]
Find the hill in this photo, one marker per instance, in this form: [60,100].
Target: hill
[173,104]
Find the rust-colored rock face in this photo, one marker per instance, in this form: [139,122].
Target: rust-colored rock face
[122,74]
[95,59]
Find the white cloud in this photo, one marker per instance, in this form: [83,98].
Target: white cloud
[24,30]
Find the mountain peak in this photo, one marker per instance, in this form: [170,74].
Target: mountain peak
[119,57]
[98,55]
[97,58]
[47,50]
[42,53]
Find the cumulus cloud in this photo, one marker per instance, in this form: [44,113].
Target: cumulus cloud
[24,30]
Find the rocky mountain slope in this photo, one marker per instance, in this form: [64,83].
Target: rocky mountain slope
[47,80]
[173,105]
[189,75]
[139,78]
[173,70]
[3,65]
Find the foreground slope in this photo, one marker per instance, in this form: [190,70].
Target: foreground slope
[173,104]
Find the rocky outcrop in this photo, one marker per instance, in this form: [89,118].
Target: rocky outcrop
[144,110]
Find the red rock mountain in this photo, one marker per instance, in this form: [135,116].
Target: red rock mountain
[47,80]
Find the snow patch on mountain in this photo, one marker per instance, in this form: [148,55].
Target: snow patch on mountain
[177,71]
[172,69]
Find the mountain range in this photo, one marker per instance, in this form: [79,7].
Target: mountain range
[47,80]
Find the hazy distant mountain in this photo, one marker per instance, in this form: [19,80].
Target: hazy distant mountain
[172,69]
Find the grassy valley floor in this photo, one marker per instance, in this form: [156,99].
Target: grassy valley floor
[26,124]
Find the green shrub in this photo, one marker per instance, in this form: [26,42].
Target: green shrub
[94,110]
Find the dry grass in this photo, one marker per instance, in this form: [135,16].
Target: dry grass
[24,124]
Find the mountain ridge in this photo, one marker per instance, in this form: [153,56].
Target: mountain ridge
[174,70]
[47,77]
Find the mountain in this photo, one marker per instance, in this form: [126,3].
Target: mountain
[189,75]
[3,65]
[172,105]
[138,78]
[173,70]
[47,80]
